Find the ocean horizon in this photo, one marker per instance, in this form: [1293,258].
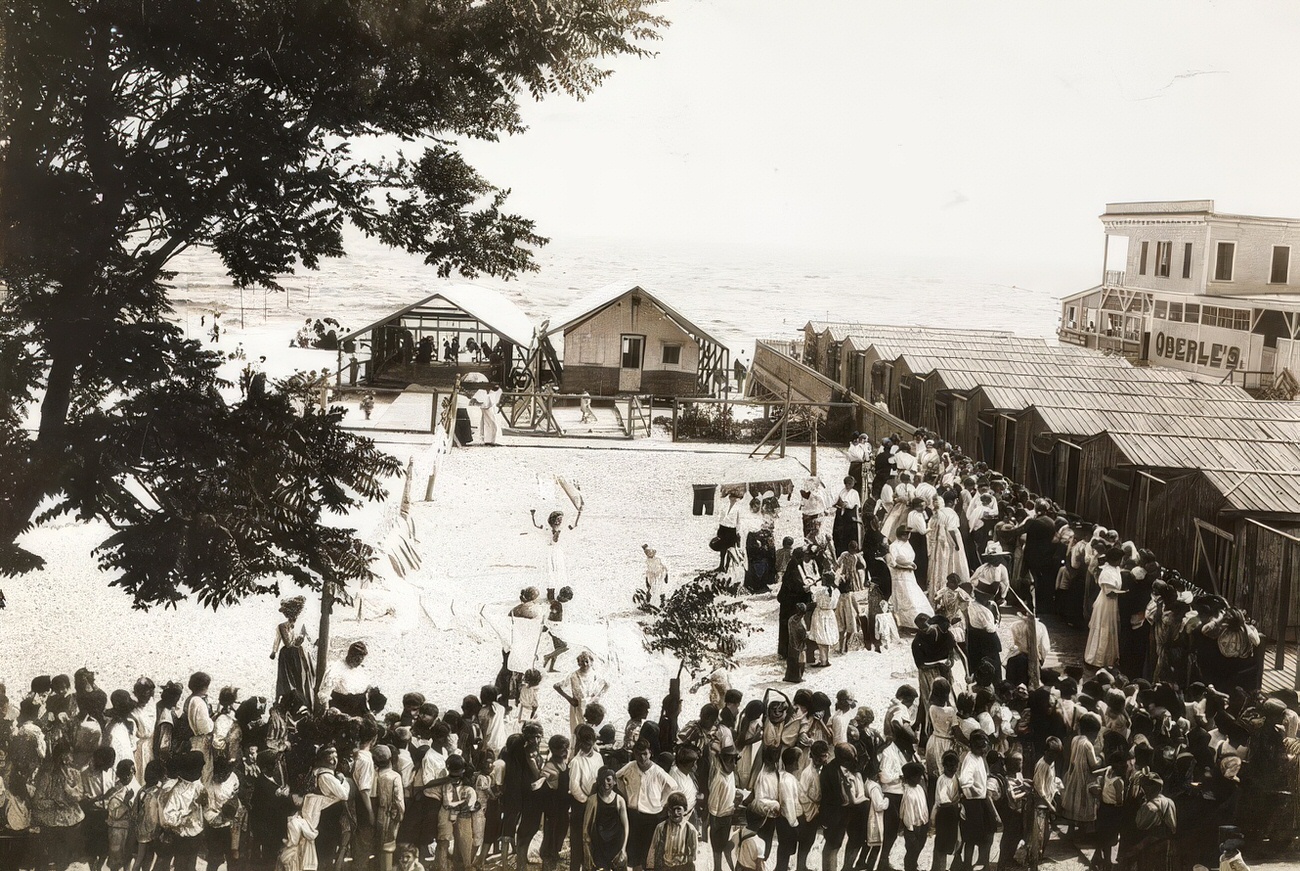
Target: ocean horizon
[739,295]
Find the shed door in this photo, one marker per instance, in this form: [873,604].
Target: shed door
[1212,561]
[629,373]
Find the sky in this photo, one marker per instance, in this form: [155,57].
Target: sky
[984,135]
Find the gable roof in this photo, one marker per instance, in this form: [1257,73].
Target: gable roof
[587,307]
[483,304]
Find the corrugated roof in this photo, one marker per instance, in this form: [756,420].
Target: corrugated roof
[1252,492]
[1203,452]
[840,330]
[481,303]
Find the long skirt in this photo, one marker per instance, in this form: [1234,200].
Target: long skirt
[922,549]
[979,821]
[946,821]
[295,673]
[982,646]
[907,600]
[855,472]
[946,559]
[1102,649]
[846,529]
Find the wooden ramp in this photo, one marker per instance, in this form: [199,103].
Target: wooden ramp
[609,422]
[411,411]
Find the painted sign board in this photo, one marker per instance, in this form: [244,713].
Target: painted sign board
[1200,348]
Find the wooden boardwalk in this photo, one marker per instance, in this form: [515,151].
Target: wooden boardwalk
[1282,678]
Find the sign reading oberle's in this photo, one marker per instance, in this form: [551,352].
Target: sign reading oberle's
[1199,346]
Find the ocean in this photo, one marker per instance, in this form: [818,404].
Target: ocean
[737,295]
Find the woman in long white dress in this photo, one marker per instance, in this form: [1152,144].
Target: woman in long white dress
[904,491]
[947,553]
[488,401]
[906,598]
[1102,650]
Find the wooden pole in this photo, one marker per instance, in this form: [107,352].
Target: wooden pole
[675,405]
[785,418]
[812,463]
[323,645]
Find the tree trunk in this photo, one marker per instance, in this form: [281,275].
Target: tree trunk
[323,645]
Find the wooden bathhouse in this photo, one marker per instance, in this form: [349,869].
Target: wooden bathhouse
[484,330]
[624,339]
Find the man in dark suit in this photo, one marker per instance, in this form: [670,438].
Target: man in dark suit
[1041,557]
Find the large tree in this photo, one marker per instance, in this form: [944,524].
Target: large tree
[133,131]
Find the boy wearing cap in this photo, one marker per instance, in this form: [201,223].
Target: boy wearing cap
[389,805]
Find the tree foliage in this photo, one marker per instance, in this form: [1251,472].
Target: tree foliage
[697,623]
[132,131]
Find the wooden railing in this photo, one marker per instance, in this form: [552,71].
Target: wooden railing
[1114,278]
[781,375]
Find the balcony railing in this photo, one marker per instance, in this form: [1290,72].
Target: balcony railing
[1114,278]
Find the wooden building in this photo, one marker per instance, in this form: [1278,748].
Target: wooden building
[624,339]
[1221,506]
[407,346]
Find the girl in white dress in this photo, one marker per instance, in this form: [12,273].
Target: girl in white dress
[557,569]
[906,598]
[825,630]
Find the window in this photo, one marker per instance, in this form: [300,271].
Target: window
[632,350]
[1164,254]
[1071,317]
[1191,314]
[1224,252]
[672,355]
[1281,269]
[1187,260]
[1142,260]
[1162,309]
[1229,318]
[1175,311]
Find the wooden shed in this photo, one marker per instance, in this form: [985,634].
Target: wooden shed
[624,339]
[407,346]
[1222,506]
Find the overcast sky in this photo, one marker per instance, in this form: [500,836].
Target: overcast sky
[980,131]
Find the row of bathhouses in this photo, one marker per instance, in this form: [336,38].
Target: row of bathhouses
[618,340]
[1200,471]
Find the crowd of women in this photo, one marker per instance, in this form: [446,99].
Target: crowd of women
[929,542]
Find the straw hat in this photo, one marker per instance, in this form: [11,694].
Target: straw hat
[994,548]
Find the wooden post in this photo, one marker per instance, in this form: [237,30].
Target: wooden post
[675,405]
[812,463]
[323,645]
[433,413]
[785,418]
[1035,666]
